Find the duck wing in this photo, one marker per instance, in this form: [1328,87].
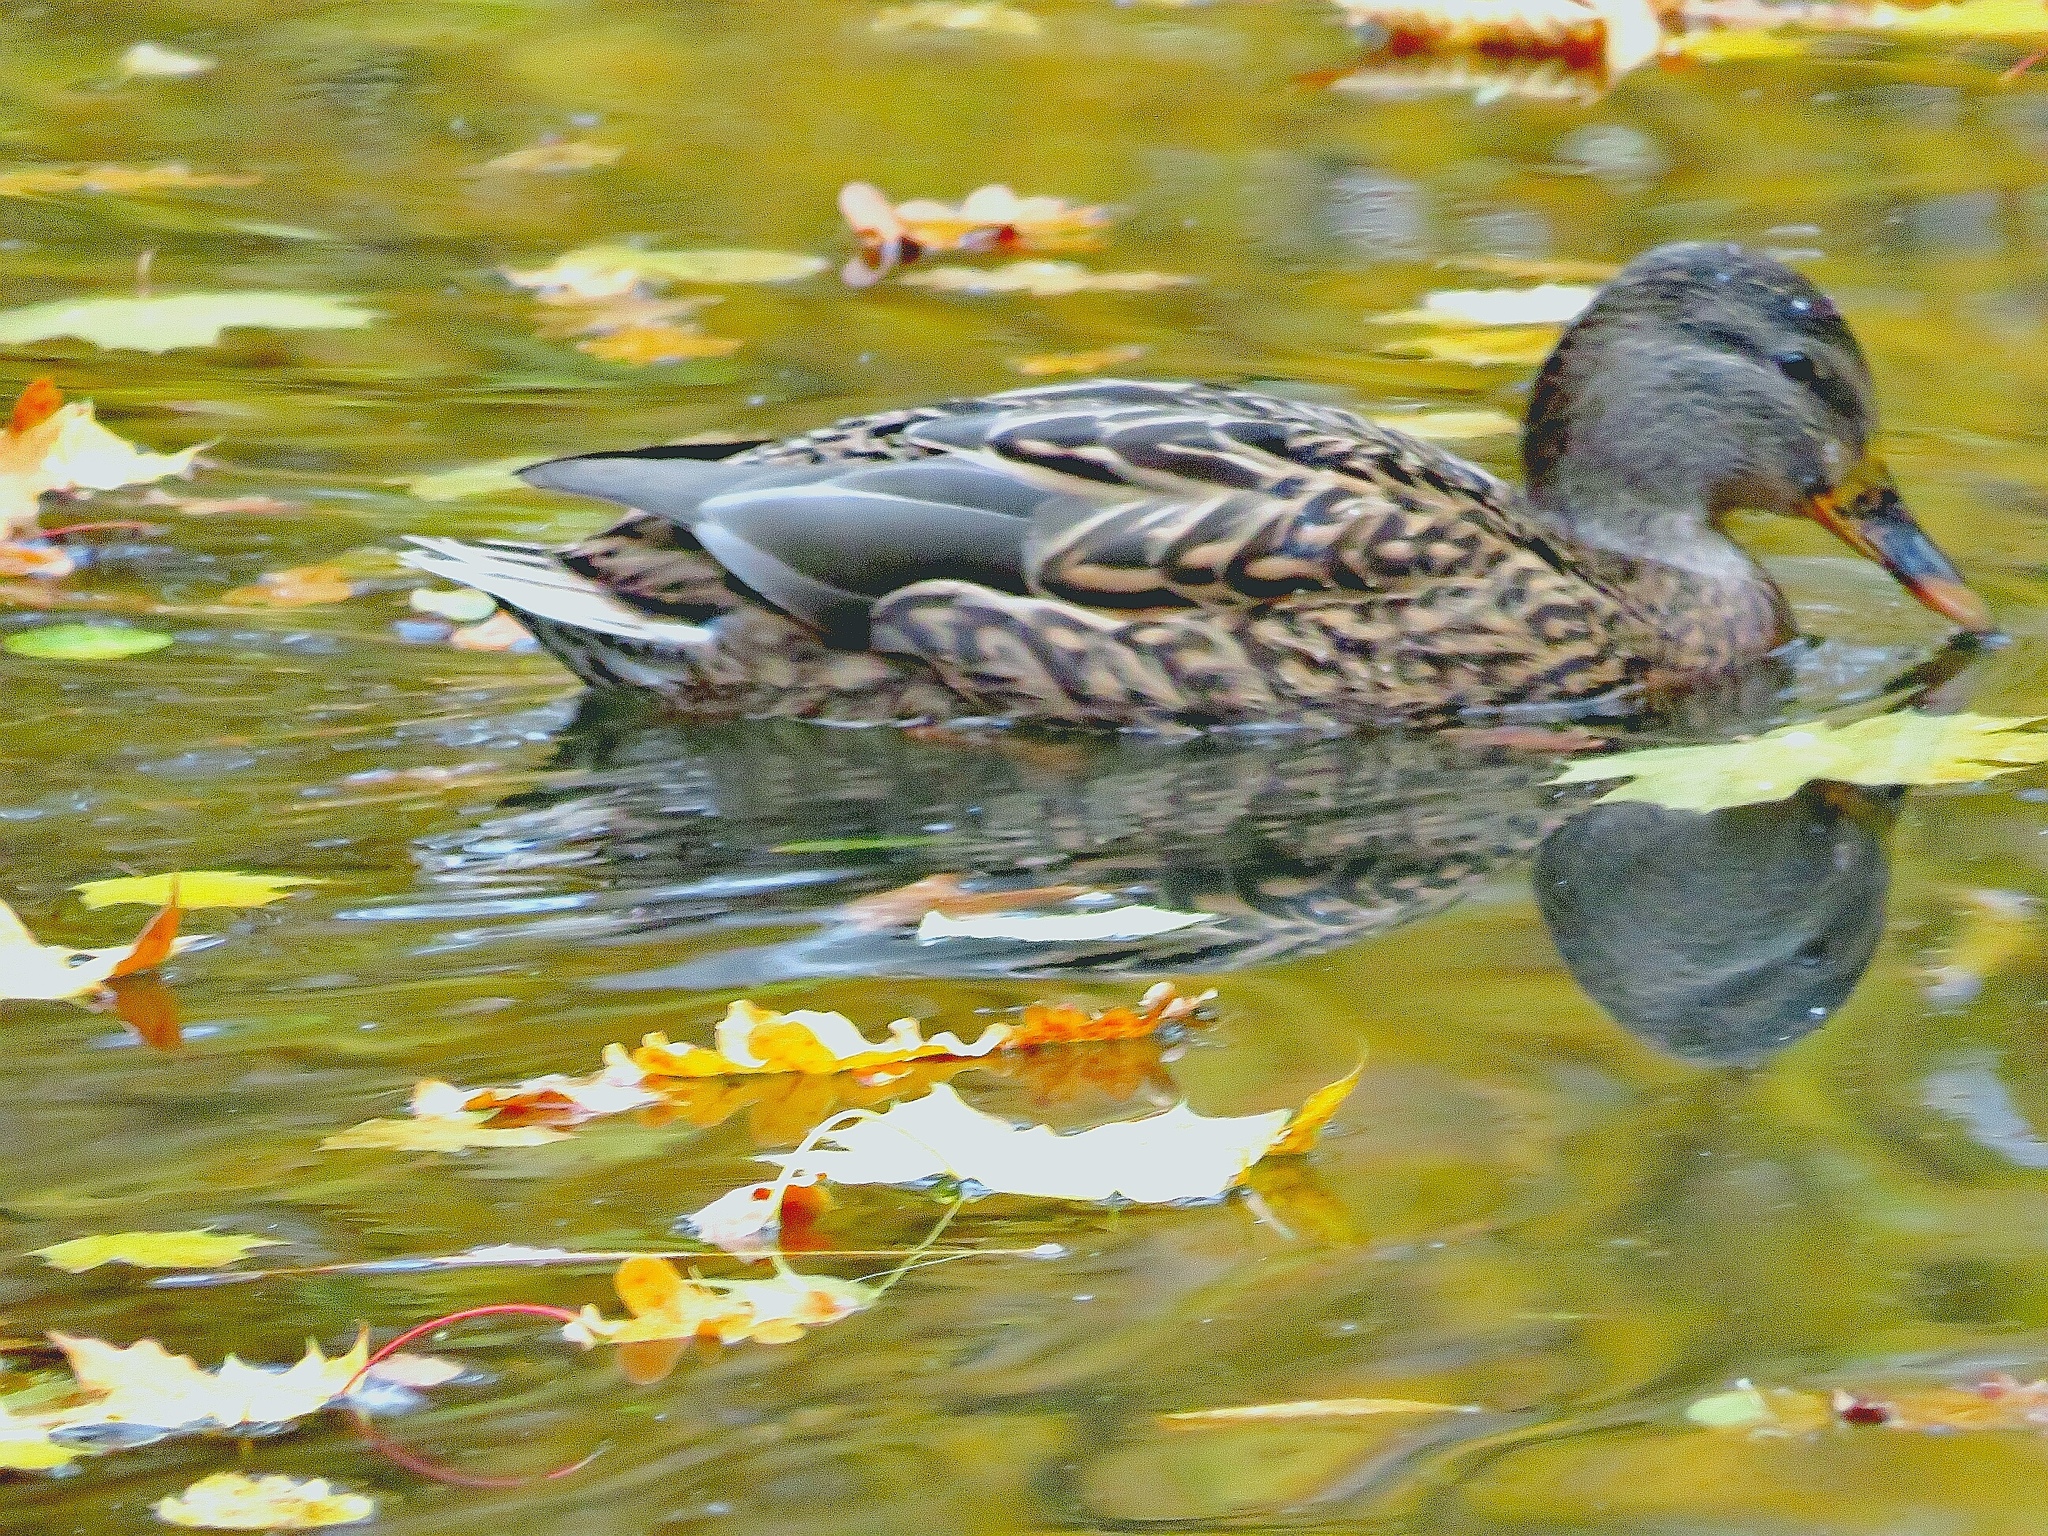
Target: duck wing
[1112,496]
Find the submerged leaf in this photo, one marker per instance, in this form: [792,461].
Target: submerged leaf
[1902,748]
[302,586]
[26,1446]
[643,344]
[85,642]
[1175,1156]
[557,157]
[1048,364]
[153,1250]
[1483,347]
[1310,1409]
[440,1133]
[666,1305]
[956,16]
[177,320]
[195,888]
[487,479]
[230,1501]
[40,181]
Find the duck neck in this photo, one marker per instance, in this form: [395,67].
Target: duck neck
[1704,602]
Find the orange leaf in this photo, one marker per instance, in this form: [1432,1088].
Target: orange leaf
[657,344]
[303,586]
[1065,1024]
[38,403]
[906,904]
[154,945]
[1308,1122]
[649,1286]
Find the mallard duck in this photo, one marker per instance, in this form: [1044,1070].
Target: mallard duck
[1131,553]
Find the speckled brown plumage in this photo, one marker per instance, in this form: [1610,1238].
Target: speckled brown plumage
[1127,553]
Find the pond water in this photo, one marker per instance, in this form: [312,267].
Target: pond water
[1651,1103]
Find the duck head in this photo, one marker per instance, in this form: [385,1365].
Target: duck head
[1707,378]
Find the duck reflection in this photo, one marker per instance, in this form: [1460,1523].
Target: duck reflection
[1722,936]
[781,851]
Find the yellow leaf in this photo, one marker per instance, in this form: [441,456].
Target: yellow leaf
[1545,304]
[1903,748]
[48,445]
[177,319]
[1311,1409]
[553,159]
[1177,1155]
[196,888]
[500,632]
[1309,1120]
[147,61]
[487,479]
[657,344]
[1734,45]
[38,181]
[145,1384]
[26,1446]
[666,1305]
[606,271]
[1452,426]
[153,1250]
[1046,364]
[49,972]
[441,1133]
[950,16]
[1042,279]
[1483,347]
[230,1501]
[1968,18]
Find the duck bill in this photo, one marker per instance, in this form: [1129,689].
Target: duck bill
[1869,517]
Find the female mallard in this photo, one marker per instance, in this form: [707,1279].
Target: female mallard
[1122,553]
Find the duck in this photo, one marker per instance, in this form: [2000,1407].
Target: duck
[1129,553]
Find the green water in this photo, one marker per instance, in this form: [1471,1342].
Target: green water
[1577,1217]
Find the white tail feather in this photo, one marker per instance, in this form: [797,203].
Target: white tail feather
[529,580]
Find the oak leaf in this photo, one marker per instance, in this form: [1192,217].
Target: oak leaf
[49,446]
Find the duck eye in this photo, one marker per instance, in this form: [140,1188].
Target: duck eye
[1796,366]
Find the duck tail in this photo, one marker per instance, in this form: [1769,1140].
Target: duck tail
[605,642]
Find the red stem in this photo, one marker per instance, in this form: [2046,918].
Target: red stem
[115,526]
[520,1308]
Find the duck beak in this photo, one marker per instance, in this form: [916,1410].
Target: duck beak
[1866,514]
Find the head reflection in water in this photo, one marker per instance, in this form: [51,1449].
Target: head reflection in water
[1721,936]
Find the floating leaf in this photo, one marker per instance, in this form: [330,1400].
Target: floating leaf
[666,1305]
[230,1501]
[945,894]
[553,158]
[26,1446]
[602,271]
[1902,748]
[1452,426]
[41,181]
[1994,928]
[1043,279]
[218,506]
[1048,364]
[1310,1410]
[1115,924]
[1999,1403]
[500,632]
[84,642]
[750,1221]
[991,218]
[570,315]
[48,445]
[643,344]
[45,562]
[1175,1156]
[153,1250]
[1966,18]
[177,320]
[488,479]
[153,61]
[440,1133]
[1734,45]
[953,16]
[1496,347]
[193,888]
[1545,304]
[144,1384]
[1612,37]
[459,605]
